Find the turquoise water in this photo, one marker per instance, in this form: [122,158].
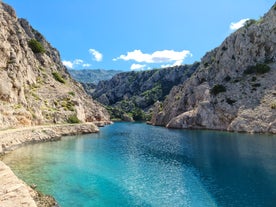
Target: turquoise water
[133,164]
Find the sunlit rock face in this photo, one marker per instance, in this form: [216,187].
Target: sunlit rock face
[35,87]
[234,88]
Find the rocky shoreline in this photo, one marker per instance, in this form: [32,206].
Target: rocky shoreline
[13,191]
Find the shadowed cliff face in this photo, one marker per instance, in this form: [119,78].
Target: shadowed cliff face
[35,87]
[234,88]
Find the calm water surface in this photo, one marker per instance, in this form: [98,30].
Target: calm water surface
[133,164]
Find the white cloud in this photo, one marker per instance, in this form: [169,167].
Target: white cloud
[97,56]
[76,62]
[68,64]
[137,66]
[86,65]
[164,56]
[236,25]
[172,65]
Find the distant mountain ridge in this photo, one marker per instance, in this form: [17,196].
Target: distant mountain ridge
[135,92]
[92,75]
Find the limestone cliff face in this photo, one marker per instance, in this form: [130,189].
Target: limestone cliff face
[130,91]
[234,88]
[35,87]
[129,85]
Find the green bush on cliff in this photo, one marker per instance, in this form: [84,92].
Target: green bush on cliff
[138,114]
[73,119]
[257,69]
[36,46]
[152,95]
[218,89]
[249,22]
[58,77]
[115,113]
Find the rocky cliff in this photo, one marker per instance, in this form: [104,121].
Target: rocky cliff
[134,91]
[35,87]
[234,87]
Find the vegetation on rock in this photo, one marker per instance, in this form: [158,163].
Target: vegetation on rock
[29,92]
[233,87]
[257,69]
[217,89]
[58,77]
[73,119]
[134,93]
[36,46]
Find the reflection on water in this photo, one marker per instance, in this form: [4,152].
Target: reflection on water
[132,164]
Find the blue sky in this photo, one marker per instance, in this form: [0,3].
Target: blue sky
[134,35]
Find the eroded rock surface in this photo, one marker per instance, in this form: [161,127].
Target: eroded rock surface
[35,87]
[234,88]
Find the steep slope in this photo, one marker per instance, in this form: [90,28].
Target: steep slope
[133,91]
[35,87]
[234,88]
[92,76]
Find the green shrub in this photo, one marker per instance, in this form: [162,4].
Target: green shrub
[58,77]
[36,46]
[256,85]
[227,78]
[253,78]
[72,93]
[67,105]
[138,114]
[218,89]
[73,119]
[249,22]
[273,105]
[262,68]
[258,69]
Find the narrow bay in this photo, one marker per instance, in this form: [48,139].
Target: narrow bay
[134,164]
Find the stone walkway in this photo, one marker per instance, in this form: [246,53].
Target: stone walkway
[14,192]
